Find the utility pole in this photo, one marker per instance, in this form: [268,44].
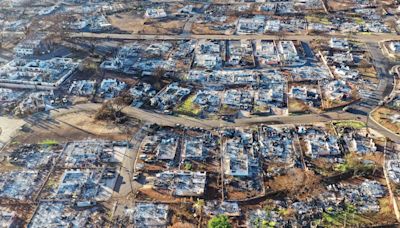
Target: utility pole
[1,34]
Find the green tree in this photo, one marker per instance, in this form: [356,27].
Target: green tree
[188,166]
[219,221]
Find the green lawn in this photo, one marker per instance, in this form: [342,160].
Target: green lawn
[350,123]
[49,142]
[188,107]
[348,216]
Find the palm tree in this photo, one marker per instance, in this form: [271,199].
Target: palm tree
[198,206]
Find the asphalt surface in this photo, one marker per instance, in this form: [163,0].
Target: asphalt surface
[129,186]
[170,120]
[361,37]
[386,84]
[382,65]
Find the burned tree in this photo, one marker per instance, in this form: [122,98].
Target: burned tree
[112,110]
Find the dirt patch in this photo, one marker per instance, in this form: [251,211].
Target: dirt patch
[5,166]
[368,71]
[376,157]
[208,29]
[227,27]
[382,115]
[129,23]
[70,126]
[86,122]
[163,27]
[60,132]
[139,25]
[182,216]
[9,127]
[337,5]
[149,193]
[297,183]
[182,225]
[296,106]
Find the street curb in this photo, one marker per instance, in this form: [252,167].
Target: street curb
[377,107]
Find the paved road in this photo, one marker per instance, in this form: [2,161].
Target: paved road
[254,120]
[381,62]
[168,120]
[185,36]
[127,167]
[383,65]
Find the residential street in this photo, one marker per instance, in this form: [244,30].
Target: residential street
[169,120]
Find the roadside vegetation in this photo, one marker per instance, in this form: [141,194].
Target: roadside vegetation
[188,107]
[49,142]
[219,221]
[350,124]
